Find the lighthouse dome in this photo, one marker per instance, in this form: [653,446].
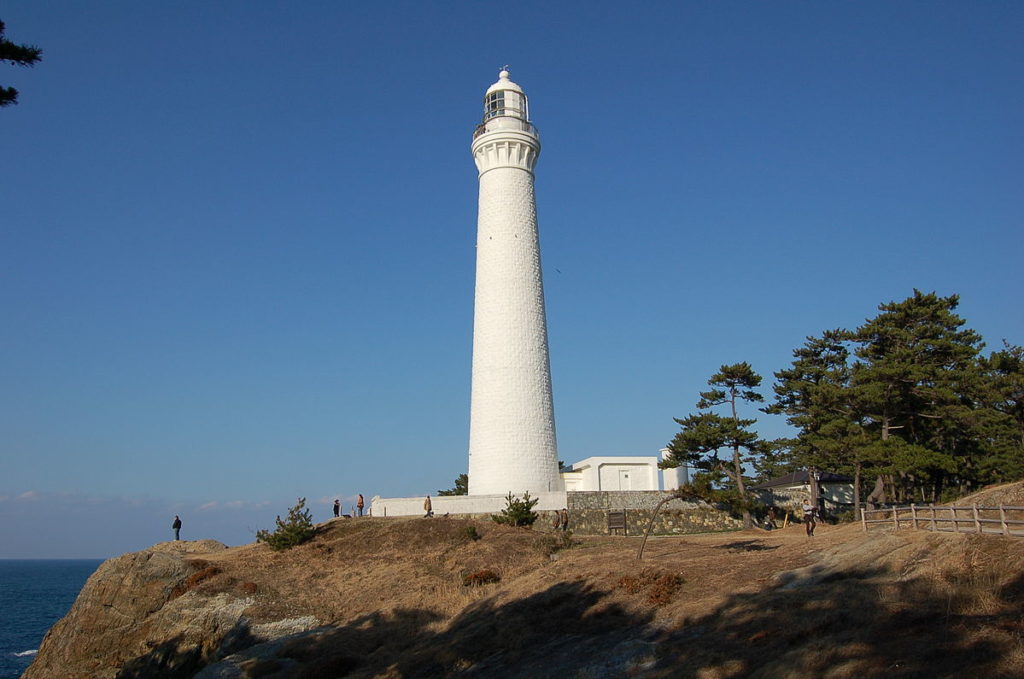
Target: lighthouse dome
[504,83]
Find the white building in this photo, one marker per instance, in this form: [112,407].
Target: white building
[612,473]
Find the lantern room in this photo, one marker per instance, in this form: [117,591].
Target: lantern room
[505,99]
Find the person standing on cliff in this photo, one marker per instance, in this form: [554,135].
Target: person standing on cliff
[359,504]
[176,526]
[428,508]
[337,509]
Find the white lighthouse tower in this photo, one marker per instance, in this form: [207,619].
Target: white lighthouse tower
[512,422]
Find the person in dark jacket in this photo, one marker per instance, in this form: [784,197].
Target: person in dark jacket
[176,526]
[337,509]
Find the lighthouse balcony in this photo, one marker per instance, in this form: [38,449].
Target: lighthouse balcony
[495,124]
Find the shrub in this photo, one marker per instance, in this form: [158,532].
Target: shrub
[481,577]
[517,512]
[847,516]
[663,587]
[660,586]
[205,573]
[552,543]
[298,528]
[471,533]
[631,584]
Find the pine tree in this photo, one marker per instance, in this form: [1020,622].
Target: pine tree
[777,458]
[517,512]
[913,381]
[18,55]
[298,528]
[703,435]
[461,486]
[1002,428]
[816,396]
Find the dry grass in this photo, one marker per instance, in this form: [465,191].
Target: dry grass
[410,598]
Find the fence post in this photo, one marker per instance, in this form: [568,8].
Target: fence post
[932,527]
[977,523]
[1002,520]
[913,516]
[864,519]
[895,518]
[956,526]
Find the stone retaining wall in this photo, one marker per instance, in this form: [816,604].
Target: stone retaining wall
[588,512]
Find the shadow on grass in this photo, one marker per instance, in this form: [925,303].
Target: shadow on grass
[747,546]
[852,624]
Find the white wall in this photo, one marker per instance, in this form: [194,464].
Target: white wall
[674,477]
[458,504]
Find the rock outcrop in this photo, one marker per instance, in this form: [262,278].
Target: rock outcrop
[139,615]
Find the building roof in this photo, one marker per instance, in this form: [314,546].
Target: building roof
[799,478]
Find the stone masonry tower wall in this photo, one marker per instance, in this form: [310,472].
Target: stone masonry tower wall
[512,424]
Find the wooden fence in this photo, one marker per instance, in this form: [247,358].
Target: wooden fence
[1001,520]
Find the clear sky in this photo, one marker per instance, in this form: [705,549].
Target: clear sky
[237,238]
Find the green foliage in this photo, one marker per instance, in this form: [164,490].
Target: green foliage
[1002,423]
[471,533]
[461,486]
[908,399]
[705,434]
[517,512]
[913,382]
[19,55]
[775,460]
[298,528]
[709,487]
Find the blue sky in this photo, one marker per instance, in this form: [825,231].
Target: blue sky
[237,239]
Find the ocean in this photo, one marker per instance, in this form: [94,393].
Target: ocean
[35,594]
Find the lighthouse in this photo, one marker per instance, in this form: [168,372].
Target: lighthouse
[512,422]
